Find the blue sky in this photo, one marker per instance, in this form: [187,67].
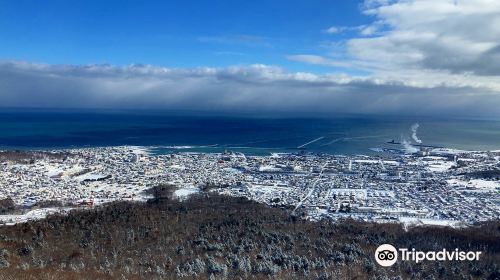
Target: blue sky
[173,33]
[412,57]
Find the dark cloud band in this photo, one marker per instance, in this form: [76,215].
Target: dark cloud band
[256,88]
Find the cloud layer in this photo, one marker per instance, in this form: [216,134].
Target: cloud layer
[255,88]
[426,41]
[458,36]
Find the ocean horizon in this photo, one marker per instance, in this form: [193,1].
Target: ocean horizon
[194,132]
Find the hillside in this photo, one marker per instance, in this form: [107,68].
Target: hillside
[218,237]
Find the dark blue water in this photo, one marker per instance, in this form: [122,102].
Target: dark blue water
[347,134]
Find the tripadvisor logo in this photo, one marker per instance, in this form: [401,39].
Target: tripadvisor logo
[387,255]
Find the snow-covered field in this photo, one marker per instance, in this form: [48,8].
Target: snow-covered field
[480,185]
[413,221]
[184,192]
[31,215]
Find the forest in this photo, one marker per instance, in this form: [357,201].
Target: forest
[216,237]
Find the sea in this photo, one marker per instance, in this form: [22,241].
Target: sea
[173,132]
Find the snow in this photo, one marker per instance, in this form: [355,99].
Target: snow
[391,162]
[72,171]
[231,170]
[479,184]
[437,163]
[366,161]
[184,192]
[447,151]
[260,191]
[434,158]
[440,166]
[485,184]
[275,155]
[176,166]
[269,168]
[413,221]
[270,188]
[89,176]
[53,171]
[36,214]
[139,150]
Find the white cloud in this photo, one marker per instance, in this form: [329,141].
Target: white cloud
[368,30]
[362,29]
[452,36]
[333,30]
[454,42]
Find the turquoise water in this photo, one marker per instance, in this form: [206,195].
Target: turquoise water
[346,134]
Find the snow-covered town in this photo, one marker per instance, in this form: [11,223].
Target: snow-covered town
[432,186]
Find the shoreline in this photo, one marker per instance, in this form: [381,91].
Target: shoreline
[179,149]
